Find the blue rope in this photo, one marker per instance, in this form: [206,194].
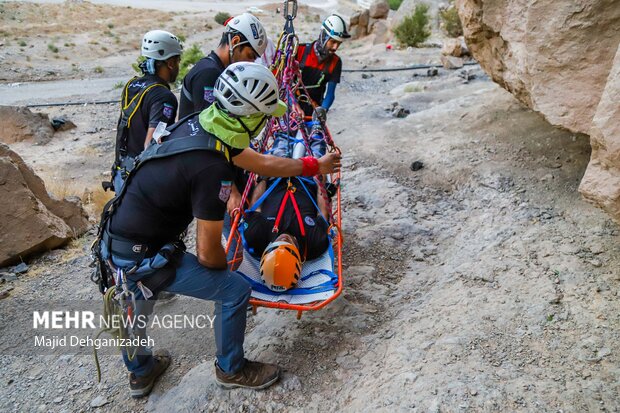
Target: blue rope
[312,199]
[264,196]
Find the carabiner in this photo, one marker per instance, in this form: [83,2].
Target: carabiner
[293,15]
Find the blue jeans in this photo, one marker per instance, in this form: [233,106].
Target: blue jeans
[229,290]
[117,181]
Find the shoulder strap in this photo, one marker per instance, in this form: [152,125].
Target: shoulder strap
[182,145]
[129,109]
[186,93]
[180,121]
[171,147]
[307,49]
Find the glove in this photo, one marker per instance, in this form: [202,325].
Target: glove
[320,114]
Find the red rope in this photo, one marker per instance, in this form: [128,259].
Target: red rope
[290,193]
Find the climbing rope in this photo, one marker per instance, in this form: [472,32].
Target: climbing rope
[118,313]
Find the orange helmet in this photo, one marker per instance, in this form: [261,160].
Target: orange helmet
[280,266]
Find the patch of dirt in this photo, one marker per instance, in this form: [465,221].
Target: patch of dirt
[77,39]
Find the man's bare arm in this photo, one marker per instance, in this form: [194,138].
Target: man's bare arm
[269,165]
[259,190]
[209,248]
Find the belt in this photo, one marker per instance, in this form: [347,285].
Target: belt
[127,249]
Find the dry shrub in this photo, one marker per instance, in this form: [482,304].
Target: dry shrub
[61,188]
[93,198]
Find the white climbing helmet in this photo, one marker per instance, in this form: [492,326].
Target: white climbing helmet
[336,28]
[160,45]
[246,88]
[250,27]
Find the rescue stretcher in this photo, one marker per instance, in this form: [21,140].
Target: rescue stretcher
[321,279]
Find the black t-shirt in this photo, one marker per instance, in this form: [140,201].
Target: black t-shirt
[258,226]
[165,194]
[158,105]
[315,74]
[199,83]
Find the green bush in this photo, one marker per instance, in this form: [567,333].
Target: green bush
[188,59]
[395,4]
[414,29]
[98,69]
[221,17]
[52,48]
[450,21]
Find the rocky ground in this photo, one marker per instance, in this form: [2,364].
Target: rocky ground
[481,282]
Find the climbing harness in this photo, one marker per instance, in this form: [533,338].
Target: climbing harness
[129,107]
[119,300]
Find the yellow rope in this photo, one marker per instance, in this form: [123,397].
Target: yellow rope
[112,308]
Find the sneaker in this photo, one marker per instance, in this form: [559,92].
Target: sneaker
[253,375]
[142,386]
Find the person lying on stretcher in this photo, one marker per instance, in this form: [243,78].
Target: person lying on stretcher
[287,228]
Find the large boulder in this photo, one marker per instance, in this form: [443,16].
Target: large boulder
[381,31]
[30,220]
[601,182]
[358,31]
[557,57]
[19,124]
[364,18]
[379,9]
[452,47]
[451,62]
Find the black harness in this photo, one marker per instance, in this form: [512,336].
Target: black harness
[128,110]
[325,71]
[133,250]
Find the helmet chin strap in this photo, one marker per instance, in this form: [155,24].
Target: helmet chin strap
[253,133]
[230,50]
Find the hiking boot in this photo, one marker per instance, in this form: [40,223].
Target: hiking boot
[142,386]
[165,296]
[253,375]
